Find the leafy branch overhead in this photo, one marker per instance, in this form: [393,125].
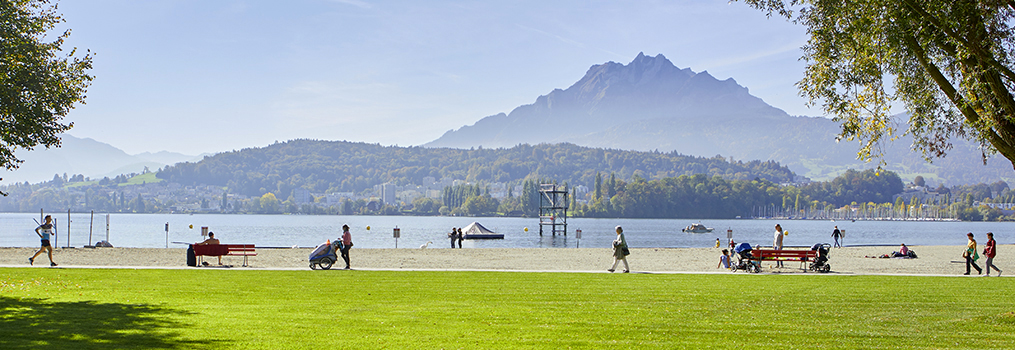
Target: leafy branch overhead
[948,62]
[39,85]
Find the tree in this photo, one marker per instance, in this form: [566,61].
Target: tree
[38,86]
[919,181]
[269,204]
[949,61]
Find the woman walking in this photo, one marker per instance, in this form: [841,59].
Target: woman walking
[971,255]
[47,230]
[990,250]
[777,244]
[620,251]
[346,244]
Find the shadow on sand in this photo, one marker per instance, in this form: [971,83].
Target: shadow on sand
[38,324]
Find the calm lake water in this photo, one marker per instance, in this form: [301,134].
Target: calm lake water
[148,231]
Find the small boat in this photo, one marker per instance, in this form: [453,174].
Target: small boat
[477,231]
[697,228]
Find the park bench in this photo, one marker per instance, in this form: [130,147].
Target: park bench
[801,255]
[243,250]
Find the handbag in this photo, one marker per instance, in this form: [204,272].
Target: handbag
[625,251]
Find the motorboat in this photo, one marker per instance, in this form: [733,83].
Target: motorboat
[697,228]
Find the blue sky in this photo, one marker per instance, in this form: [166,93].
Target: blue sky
[198,76]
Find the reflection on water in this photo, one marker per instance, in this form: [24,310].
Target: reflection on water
[558,241]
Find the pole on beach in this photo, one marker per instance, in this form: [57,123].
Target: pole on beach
[397,233]
[578,235]
[107,228]
[91,222]
[68,229]
[167,235]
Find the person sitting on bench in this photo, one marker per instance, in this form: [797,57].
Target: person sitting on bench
[211,240]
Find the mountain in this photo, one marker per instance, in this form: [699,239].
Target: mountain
[339,166]
[87,157]
[650,104]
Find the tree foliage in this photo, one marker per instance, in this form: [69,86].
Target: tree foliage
[38,85]
[949,62]
[339,166]
[856,186]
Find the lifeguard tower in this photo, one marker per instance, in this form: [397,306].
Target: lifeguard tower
[553,202]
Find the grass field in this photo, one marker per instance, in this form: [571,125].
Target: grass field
[250,309]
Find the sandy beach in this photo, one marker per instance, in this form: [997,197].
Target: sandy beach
[933,260]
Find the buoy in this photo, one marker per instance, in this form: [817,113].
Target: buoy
[785,233]
[368,228]
[526,229]
[191,226]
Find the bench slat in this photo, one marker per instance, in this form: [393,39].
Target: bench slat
[243,250]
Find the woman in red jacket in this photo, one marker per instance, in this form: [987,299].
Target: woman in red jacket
[990,251]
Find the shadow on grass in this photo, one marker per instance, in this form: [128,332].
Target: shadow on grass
[37,324]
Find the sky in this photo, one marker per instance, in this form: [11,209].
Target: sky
[199,76]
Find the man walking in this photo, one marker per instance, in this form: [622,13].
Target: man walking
[836,234]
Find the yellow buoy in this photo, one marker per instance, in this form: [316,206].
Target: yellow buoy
[526,229]
[192,226]
[368,228]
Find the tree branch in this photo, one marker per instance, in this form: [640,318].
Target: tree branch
[978,51]
[971,115]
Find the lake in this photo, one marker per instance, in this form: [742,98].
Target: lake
[148,231]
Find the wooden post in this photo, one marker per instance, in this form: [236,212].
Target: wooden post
[68,229]
[91,222]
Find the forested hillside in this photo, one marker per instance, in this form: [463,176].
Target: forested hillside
[339,166]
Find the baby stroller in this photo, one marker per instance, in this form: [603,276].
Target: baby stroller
[744,257]
[820,263]
[325,255]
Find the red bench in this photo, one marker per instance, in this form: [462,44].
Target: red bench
[801,255]
[243,250]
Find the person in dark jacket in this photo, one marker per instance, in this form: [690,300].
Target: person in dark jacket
[990,250]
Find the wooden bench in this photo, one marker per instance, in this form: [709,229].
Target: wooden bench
[243,250]
[801,255]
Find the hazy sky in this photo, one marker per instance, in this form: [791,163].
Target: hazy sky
[197,76]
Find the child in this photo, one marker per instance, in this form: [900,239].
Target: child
[724,260]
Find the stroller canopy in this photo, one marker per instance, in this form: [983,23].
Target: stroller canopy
[743,247]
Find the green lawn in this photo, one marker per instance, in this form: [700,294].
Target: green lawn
[142,179]
[251,309]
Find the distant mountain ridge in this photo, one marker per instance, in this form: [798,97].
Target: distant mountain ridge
[650,104]
[604,97]
[87,157]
